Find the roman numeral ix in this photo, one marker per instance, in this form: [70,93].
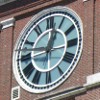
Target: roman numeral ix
[29,43]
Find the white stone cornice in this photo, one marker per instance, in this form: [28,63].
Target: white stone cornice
[85,0]
[91,82]
[7,23]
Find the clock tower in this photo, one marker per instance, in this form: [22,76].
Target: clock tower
[49,50]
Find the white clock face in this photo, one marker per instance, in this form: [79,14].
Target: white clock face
[48,49]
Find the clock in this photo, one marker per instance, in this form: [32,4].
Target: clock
[48,49]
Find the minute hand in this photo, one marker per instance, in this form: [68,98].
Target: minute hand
[32,49]
[50,42]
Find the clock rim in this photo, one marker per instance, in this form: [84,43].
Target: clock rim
[25,29]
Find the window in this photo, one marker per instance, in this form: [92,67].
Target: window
[15,93]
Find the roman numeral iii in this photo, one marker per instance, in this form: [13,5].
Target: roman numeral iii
[68,57]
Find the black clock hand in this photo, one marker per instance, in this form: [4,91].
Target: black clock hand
[32,49]
[45,60]
[50,42]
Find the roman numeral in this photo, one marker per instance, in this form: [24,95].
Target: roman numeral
[60,70]
[48,78]
[28,70]
[50,23]
[26,57]
[68,57]
[29,43]
[36,77]
[61,22]
[38,30]
[72,42]
[70,29]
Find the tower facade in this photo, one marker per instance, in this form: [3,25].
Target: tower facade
[50,50]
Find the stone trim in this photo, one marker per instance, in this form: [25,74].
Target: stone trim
[85,0]
[7,23]
[91,82]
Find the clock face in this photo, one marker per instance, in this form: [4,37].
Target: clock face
[48,49]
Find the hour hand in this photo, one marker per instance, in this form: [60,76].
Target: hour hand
[51,40]
[32,49]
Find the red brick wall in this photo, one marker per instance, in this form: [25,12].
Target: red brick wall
[94,93]
[6,63]
[89,61]
[97,37]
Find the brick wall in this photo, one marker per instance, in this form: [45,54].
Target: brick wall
[6,63]
[97,36]
[89,13]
